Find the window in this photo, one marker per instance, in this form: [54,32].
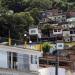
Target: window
[74,32]
[59,17]
[59,30]
[59,45]
[71,32]
[55,30]
[63,20]
[33,59]
[33,31]
[63,16]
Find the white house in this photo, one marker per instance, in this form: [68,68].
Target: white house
[19,59]
[35,31]
[57,31]
[66,35]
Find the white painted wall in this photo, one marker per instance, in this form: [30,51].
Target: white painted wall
[3,56]
[57,32]
[66,33]
[73,38]
[15,72]
[68,72]
[67,39]
[72,34]
[60,46]
[36,30]
[51,71]
[3,59]
[33,29]
[73,73]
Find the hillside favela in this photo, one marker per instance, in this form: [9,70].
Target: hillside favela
[37,37]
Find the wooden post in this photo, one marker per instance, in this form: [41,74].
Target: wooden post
[9,39]
[25,44]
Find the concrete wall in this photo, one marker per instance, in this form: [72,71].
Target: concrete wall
[35,65]
[57,32]
[23,62]
[26,63]
[67,39]
[51,71]
[66,33]
[14,72]
[33,31]
[72,34]
[3,59]
[73,38]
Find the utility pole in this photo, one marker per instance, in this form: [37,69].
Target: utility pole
[59,46]
[57,62]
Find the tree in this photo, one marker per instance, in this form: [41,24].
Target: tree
[15,5]
[17,23]
[35,14]
[22,21]
[41,4]
[46,47]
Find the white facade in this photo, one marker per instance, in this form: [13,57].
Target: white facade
[66,33]
[51,71]
[72,34]
[59,46]
[24,60]
[35,31]
[57,31]
[15,72]
[73,38]
[69,35]
[67,39]
[58,18]
[3,59]
[34,63]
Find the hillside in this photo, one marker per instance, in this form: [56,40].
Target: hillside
[17,15]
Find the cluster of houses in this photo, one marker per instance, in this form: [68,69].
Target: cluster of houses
[55,27]
[52,34]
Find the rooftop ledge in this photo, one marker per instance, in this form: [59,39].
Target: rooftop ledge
[19,50]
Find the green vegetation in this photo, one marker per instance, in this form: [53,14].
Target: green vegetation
[18,15]
[70,44]
[46,47]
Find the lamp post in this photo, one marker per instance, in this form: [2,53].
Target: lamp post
[30,43]
[57,59]
[25,35]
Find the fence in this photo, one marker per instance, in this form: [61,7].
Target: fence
[20,43]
